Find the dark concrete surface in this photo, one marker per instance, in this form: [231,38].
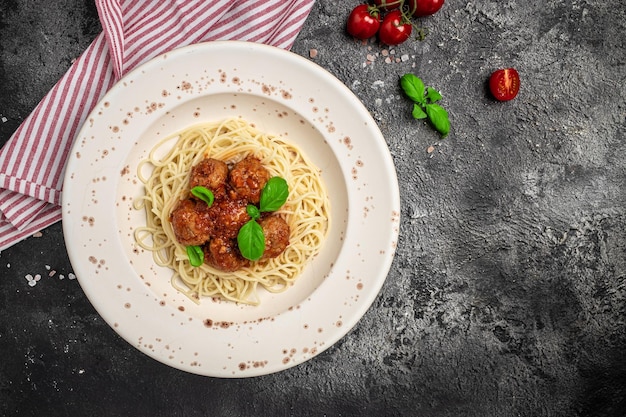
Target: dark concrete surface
[507,296]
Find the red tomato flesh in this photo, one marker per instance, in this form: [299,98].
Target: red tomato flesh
[394,29]
[421,8]
[504,84]
[363,22]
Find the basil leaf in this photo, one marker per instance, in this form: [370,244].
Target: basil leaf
[438,116]
[433,95]
[253,211]
[418,112]
[195,255]
[413,87]
[203,194]
[274,194]
[251,240]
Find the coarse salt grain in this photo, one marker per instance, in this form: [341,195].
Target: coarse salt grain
[71,276]
[32,280]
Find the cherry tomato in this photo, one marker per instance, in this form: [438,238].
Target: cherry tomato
[363,22]
[504,84]
[394,29]
[421,8]
[388,4]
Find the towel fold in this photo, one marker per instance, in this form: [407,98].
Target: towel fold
[32,162]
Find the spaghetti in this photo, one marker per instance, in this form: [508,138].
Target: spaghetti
[306,210]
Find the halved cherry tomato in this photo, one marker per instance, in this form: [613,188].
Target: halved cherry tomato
[421,8]
[388,4]
[504,84]
[363,22]
[394,29]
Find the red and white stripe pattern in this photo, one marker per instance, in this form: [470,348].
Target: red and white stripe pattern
[32,162]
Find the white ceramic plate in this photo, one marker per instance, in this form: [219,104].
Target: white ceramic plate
[283,94]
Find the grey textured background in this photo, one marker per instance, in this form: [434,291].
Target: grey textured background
[507,296]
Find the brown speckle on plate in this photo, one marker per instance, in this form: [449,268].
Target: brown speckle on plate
[348,142]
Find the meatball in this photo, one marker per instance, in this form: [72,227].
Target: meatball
[229,216]
[210,173]
[191,222]
[248,177]
[276,231]
[224,255]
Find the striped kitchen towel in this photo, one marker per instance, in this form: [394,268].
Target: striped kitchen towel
[32,162]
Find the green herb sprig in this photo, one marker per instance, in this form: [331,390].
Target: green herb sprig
[195,255]
[203,194]
[250,239]
[425,103]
